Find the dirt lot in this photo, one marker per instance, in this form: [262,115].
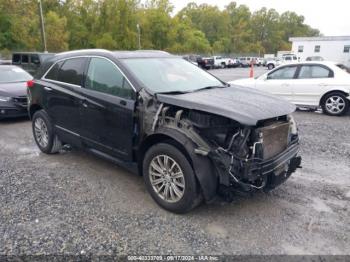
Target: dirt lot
[75,203]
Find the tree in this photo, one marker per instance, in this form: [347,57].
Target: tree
[111,24]
[57,35]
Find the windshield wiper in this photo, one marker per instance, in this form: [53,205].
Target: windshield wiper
[188,91]
[207,87]
[172,92]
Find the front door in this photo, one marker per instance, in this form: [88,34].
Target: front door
[107,110]
[279,82]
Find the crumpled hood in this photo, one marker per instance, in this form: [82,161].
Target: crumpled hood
[245,105]
[13,89]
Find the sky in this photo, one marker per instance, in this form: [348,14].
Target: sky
[330,17]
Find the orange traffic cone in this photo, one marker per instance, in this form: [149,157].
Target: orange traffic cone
[251,72]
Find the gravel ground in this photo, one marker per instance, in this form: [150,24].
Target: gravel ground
[75,203]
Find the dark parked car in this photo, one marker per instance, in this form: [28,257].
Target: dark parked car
[13,91]
[189,134]
[243,62]
[29,61]
[233,63]
[205,62]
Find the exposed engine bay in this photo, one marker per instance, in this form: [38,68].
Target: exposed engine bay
[245,158]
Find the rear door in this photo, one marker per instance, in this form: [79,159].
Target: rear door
[279,82]
[62,86]
[312,82]
[107,109]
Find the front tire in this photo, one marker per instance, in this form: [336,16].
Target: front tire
[43,133]
[170,179]
[335,104]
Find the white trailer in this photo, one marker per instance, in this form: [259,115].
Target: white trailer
[330,48]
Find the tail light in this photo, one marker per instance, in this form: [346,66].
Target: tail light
[30,83]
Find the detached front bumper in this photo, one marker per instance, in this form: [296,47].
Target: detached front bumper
[280,160]
[264,175]
[278,169]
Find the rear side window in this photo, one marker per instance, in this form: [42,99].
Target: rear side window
[71,71]
[103,76]
[25,59]
[314,71]
[34,59]
[283,73]
[16,59]
[53,72]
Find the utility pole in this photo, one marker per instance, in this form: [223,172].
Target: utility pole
[139,35]
[43,37]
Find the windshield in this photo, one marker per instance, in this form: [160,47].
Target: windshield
[13,74]
[164,75]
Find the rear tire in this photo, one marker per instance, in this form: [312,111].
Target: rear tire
[170,179]
[43,133]
[335,104]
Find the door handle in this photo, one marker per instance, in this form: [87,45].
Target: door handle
[285,84]
[122,102]
[47,88]
[323,84]
[84,103]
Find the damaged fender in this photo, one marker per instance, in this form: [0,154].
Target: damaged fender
[202,165]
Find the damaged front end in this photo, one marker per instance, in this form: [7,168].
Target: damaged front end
[243,158]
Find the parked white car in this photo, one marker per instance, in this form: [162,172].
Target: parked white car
[221,62]
[308,84]
[285,59]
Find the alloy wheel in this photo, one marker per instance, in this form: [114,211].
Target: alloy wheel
[167,178]
[335,104]
[41,132]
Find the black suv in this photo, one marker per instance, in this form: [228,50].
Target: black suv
[190,135]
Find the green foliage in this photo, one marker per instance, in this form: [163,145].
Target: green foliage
[112,24]
[57,34]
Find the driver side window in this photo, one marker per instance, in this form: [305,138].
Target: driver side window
[103,76]
[287,72]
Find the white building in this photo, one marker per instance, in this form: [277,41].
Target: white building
[330,48]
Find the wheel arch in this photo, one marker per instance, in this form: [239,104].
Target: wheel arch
[34,108]
[157,138]
[332,91]
[202,165]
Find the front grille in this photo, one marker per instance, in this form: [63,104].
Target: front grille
[21,101]
[275,138]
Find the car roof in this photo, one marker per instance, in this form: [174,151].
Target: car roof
[32,53]
[102,52]
[117,54]
[327,63]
